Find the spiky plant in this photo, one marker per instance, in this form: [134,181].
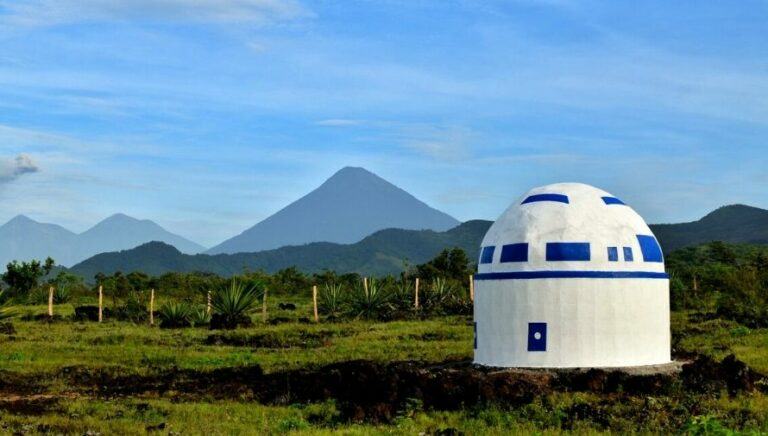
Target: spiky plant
[403,294]
[174,315]
[371,303]
[331,299]
[233,305]
[38,295]
[61,294]
[199,316]
[5,311]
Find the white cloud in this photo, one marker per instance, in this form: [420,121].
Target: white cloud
[338,122]
[52,12]
[12,170]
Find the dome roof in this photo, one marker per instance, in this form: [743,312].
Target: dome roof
[570,227]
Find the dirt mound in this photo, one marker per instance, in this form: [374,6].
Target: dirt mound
[378,392]
[302,339]
[709,376]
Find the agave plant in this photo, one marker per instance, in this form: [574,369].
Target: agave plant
[174,315]
[233,305]
[199,316]
[403,294]
[371,303]
[331,299]
[61,294]
[38,295]
[5,311]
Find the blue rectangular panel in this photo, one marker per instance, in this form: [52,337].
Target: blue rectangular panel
[559,198]
[486,256]
[613,254]
[628,257]
[612,200]
[514,253]
[537,336]
[562,251]
[650,249]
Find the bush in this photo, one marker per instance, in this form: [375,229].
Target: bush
[61,295]
[373,303]
[232,305]
[134,309]
[331,300]
[174,315]
[199,316]
[5,311]
[38,295]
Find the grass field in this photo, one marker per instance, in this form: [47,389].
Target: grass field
[40,352]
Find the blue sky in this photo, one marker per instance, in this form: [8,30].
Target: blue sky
[209,115]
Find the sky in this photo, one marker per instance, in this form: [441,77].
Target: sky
[207,116]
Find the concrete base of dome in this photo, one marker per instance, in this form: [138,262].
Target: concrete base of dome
[671,368]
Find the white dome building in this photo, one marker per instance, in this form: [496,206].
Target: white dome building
[570,276]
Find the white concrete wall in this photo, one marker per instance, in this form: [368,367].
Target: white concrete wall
[591,322]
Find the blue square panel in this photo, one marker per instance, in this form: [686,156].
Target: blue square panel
[514,253]
[486,255]
[537,336]
[613,254]
[628,254]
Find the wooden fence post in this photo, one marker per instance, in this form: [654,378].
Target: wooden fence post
[152,307]
[314,301]
[208,307]
[472,288]
[101,303]
[264,307]
[416,298]
[50,302]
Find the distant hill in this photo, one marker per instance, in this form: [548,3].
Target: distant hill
[351,205]
[735,224]
[25,239]
[383,252]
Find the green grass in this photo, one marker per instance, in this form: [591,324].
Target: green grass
[41,349]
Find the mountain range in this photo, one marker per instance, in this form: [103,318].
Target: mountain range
[22,238]
[346,208]
[735,223]
[386,251]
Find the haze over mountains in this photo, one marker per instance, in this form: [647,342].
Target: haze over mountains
[22,238]
[349,206]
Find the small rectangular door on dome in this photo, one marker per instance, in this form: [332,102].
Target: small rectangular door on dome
[537,336]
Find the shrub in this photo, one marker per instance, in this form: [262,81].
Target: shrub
[437,296]
[61,295]
[38,295]
[232,305]
[199,316]
[373,303]
[403,294]
[134,309]
[5,311]
[174,315]
[331,300]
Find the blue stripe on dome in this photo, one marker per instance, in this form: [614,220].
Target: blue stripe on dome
[612,200]
[527,275]
[559,198]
